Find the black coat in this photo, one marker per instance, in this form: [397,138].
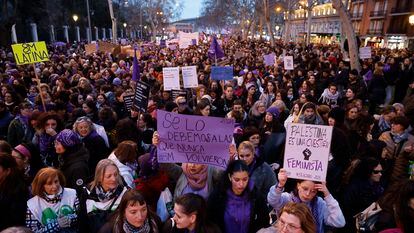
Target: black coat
[376,89]
[97,150]
[13,203]
[75,167]
[259,214]
[169,228]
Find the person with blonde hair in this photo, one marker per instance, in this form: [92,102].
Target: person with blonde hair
[104,194]
[294,217]
[53,207]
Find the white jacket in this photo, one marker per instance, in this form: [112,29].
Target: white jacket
[126,172]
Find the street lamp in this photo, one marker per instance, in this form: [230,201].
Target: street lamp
[125,24]
[411,20]
[75,18]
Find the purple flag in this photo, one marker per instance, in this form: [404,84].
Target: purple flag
[135,72]
[215,51]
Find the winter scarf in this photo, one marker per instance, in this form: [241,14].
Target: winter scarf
[54,198]
[106,196]
[198,180]
[383,125]
[328,98]
[397,138]
[129,228]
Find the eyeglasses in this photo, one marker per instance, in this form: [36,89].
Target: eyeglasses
[377,171]
[289,226]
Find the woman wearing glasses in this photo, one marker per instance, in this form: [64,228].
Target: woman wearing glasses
[362,188]
[294,218]
[326,211]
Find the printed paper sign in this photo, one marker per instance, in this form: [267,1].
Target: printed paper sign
[141,96]
[186,39]
[222,72]
[29,53]
[128,101]
[269,59]
[307,151]
[189,76]
[106,47]
[365,52]
[171,77]
[288,62]
[194,139]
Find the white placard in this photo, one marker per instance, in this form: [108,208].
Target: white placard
[365,52]
[190,79]
[307,151]
[171,77]
[288,62]
[186,39]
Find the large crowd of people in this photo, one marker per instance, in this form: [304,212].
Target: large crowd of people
[75,158]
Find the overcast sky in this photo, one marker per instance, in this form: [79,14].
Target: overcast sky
[191,8]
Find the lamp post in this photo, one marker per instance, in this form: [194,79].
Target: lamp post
[75,18]
[125,30]
[411,20]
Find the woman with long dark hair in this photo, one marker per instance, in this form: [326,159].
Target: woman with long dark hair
[236,205]
[190,216]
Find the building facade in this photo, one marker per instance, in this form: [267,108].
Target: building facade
[383,23]
[325,24]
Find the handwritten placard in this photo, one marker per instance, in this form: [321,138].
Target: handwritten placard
[189,76]
[269,59]
[171,78]
[288,62]
[141,96]
[307,151]
[194,139]
[29,53]
[365,52]
[222,72]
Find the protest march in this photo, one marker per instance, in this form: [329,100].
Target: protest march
[206,133]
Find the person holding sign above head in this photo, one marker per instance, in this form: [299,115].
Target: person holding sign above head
[236,205]
[326,211]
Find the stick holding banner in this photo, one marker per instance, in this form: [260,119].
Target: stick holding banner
[31,53]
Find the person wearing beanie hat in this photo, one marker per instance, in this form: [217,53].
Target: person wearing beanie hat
[274,111]
[117,82]
[73,158]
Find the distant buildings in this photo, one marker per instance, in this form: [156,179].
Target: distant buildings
[378,23]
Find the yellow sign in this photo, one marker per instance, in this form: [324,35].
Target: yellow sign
[28,53]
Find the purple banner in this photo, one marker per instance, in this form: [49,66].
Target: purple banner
[194,139]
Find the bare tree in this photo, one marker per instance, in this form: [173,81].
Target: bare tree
[349,32]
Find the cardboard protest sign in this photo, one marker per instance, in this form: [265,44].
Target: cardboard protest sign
[29,53]
[142,91]
[189,76]
[90,48]
[194,139]
[307,151]
[269,59]
[128,101]
[171,77]
[365,52]
[106,47]
[222,73]
[288,62]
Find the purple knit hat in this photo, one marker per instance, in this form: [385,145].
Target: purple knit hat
[274,111]
[68,138]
